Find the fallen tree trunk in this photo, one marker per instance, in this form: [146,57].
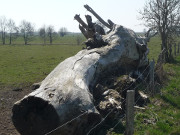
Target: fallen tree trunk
[66,92]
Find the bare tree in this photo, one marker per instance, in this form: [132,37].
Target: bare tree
[13,30]
[79,39]
[50,33]
[43,34]
[164,17]
[63,31]
[3,28]
[27,29]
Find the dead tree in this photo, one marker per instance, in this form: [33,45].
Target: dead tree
[63,104]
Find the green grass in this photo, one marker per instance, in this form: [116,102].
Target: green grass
[154,48]
[21,65]
[164,109]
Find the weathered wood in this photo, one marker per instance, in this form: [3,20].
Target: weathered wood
[83,31]
[91,27]
[77,17]
[97,16]
[66,92]
[35,86]
[110,23]
[130,112]
[99,29]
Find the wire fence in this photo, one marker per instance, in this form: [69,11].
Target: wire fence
[147,89]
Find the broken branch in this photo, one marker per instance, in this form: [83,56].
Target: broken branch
[77,17]
[97,16]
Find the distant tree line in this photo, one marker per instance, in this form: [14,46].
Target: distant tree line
[9,32]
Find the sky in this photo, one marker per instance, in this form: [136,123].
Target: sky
[60,13]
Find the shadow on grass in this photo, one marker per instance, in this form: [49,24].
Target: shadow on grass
[175,61]
[169,99]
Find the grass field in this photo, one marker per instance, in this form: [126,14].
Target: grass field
[22,65]
[154,47]
[162,115]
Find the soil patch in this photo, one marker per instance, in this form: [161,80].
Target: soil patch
[8,96]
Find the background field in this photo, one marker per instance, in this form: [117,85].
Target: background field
[22,65]
[69,39]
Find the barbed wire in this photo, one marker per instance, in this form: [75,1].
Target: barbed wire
[140,96]
[69,121]
[144,80]
[100,122]
[137,77]
[120,119]
[66,123]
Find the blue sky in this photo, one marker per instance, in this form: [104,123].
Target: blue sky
[60,13]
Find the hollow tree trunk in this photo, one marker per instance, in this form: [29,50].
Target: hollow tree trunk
[66,92]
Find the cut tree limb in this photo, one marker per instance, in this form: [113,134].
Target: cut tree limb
[83,31]
[77,17]
[98,17]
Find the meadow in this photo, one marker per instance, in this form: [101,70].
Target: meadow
[23,65]
[162,114]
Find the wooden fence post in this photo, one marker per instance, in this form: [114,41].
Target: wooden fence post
[175,49]
[151,77]
[130,112]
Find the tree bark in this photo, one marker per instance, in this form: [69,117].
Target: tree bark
[66,92]
[97,16]
[84,25]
